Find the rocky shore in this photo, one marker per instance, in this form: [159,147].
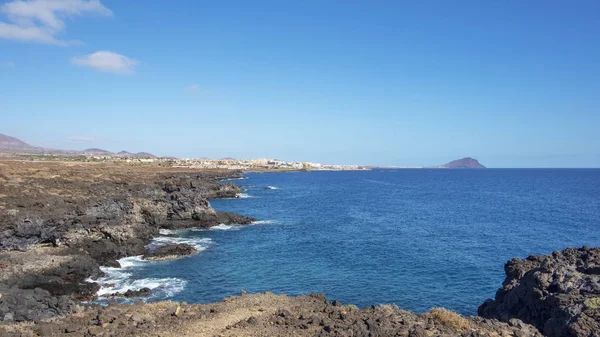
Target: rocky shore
[60,222]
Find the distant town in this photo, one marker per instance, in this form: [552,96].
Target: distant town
[14,147]
[262,164]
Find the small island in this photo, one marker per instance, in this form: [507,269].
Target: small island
[464,163]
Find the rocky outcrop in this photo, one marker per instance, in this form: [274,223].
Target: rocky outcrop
[170,252]
[144,292]
[60,271]
[207,220]
[20,305]
[557,293]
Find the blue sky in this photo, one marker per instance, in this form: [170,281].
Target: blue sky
[512,83]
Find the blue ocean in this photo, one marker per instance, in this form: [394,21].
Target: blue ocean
[418,238]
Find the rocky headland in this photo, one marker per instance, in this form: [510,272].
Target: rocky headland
[60,222]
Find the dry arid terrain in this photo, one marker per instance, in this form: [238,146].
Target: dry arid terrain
[265,315]
[61,221]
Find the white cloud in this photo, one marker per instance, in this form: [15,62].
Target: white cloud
[41,20]
[106,61]
[194,88]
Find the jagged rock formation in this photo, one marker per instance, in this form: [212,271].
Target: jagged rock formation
[558,293]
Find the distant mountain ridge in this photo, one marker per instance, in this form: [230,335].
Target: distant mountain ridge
[14,145]
[467,163]
[12,142]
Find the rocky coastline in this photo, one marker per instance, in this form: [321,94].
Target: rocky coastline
[60,222]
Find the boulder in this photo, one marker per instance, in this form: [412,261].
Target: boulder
[21,305]
[558,293]
[170,252]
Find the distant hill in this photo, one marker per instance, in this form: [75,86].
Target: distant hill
[97,152]
[227,158]
[144,155]
[468,163]
[124,154]
[8,142]
[134,155]
[14,145]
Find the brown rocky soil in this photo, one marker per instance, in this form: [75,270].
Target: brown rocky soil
[265,315]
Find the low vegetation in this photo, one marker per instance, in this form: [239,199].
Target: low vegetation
[449,318]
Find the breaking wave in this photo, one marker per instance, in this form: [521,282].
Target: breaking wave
[199,243]
[119,280]
[264,222]
[231,179]
[225,227]
[163,231]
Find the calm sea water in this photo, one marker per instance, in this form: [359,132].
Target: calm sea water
[417,238]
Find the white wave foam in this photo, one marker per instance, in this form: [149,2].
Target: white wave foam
[231,179]
[119,280]
[263,222]
[243,196]
[225,227]
[163,231]
[161,287]
[131,261]
[199,243]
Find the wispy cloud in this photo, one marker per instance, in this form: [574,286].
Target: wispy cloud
[106,61]
[7,64]
[42,20]
[194,88]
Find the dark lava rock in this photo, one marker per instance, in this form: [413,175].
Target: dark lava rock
[170,252]
[557,293]
[144,292]
[21,305]
[138,293]
[207,220]
[229,218]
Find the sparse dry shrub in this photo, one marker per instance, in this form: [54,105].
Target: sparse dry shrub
[449,318]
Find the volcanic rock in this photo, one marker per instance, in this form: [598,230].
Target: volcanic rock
[557,293]
[170,252]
